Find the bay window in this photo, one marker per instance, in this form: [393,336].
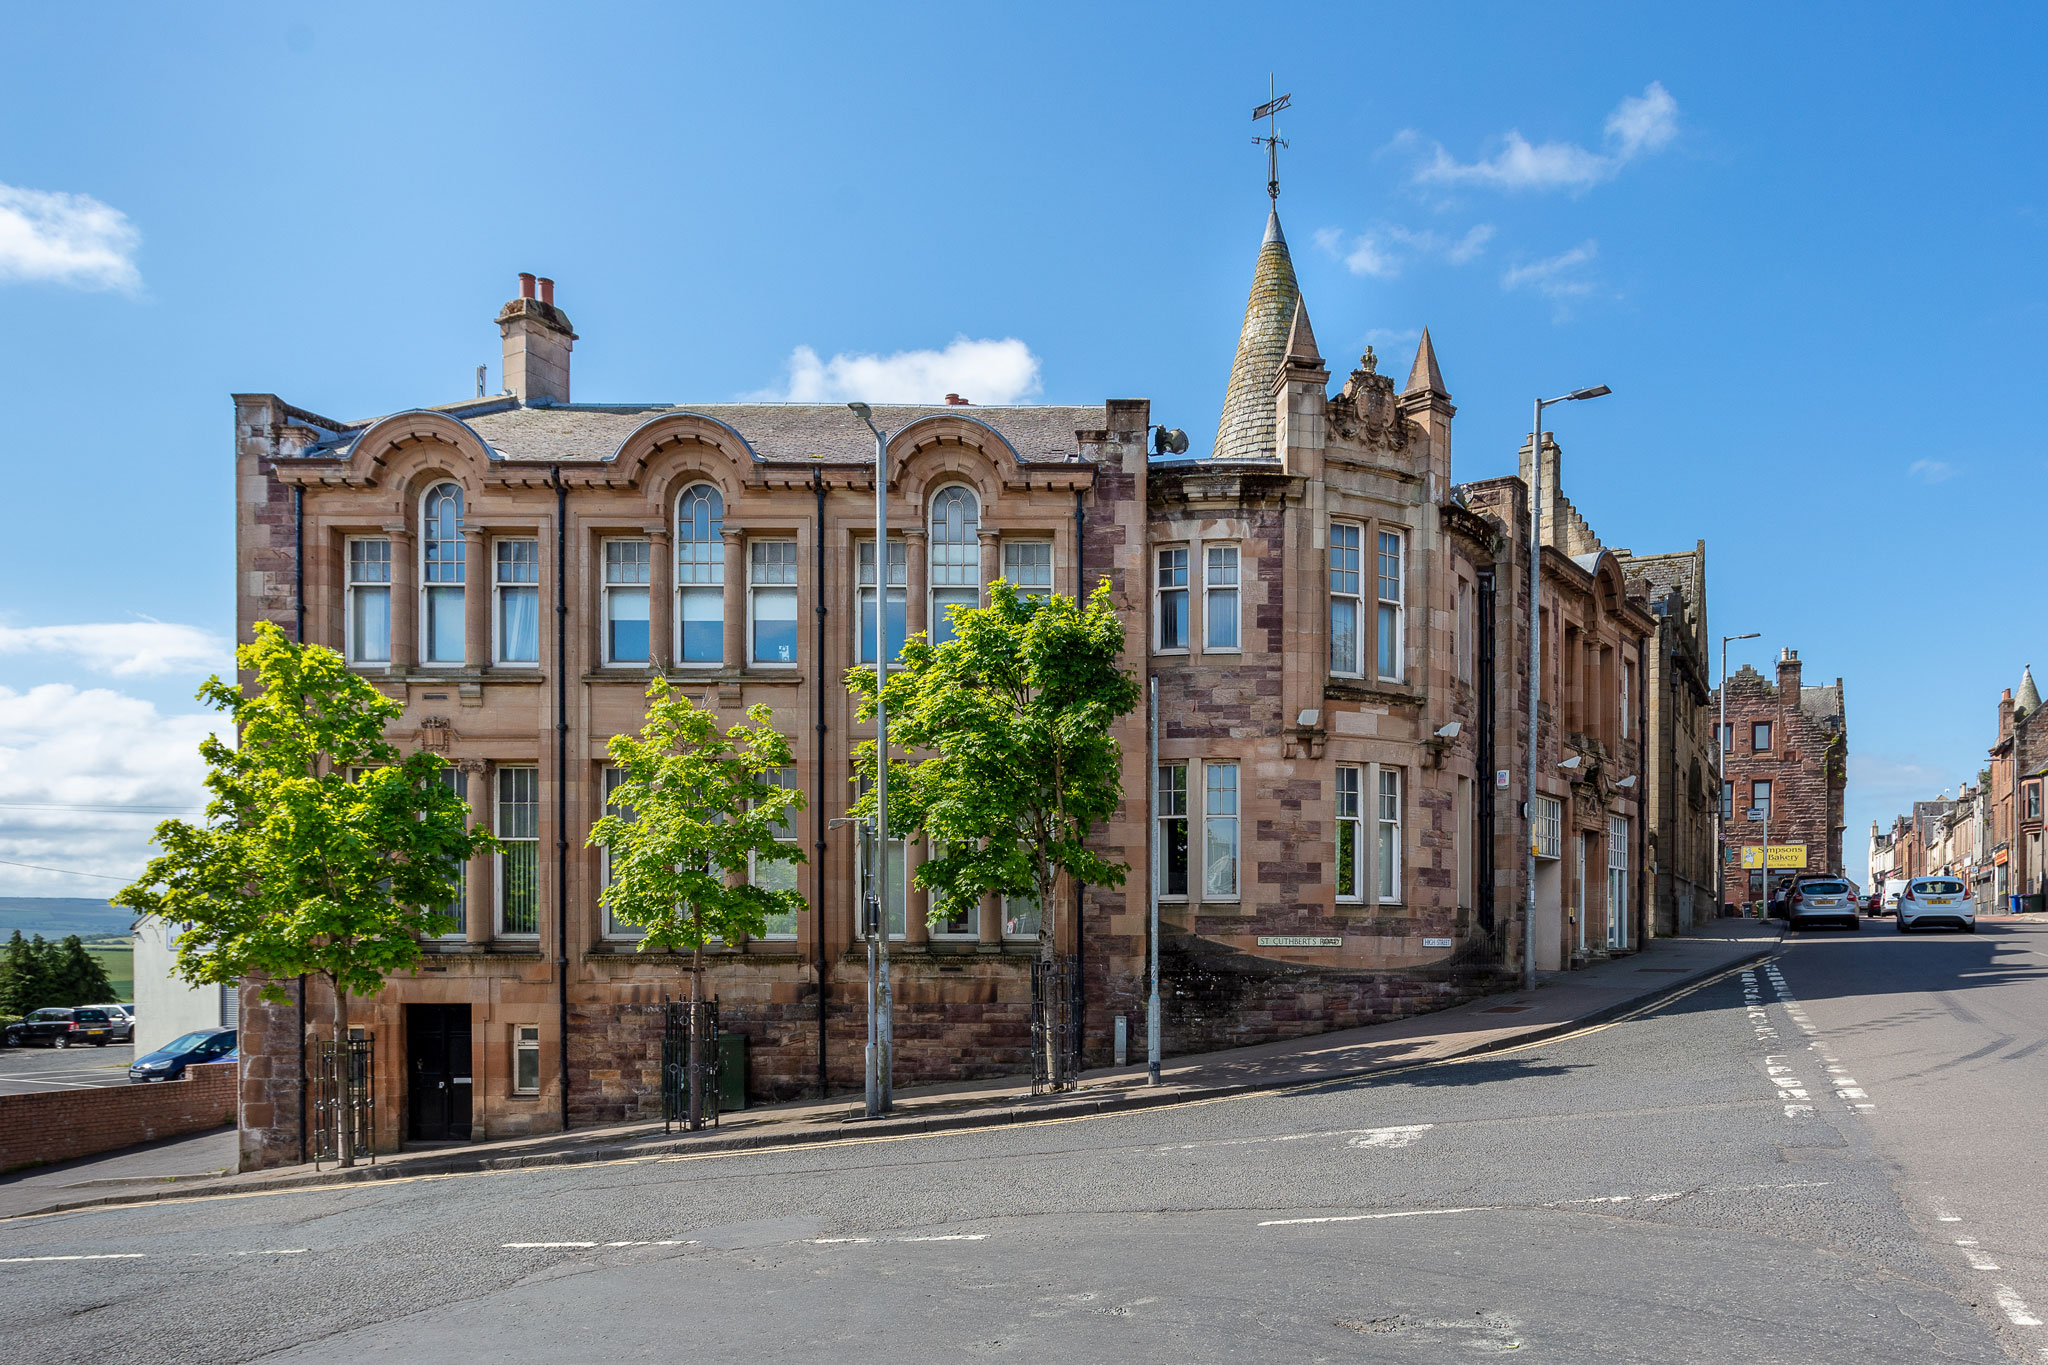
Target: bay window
[772,571]
[626,574]
[700,576]
[1345,605]
[368,626]
[516,581]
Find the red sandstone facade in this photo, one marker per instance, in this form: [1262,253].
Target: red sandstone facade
[1788,756]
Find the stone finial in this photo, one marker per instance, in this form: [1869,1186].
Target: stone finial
[1424,376]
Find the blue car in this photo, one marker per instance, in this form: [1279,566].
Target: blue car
[168,1062]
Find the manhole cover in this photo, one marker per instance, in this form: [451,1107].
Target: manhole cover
[1507,1009]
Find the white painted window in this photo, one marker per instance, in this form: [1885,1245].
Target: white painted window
[627,572]
[1617,881]
[526,1059]
[518,829]
[1393,616]
[1170,809]
[772,572]
[1171,613]
[1389,877]
[613,779]
[967,924]
[1220,625]
[1219,832]
[1350,834]
[1346,606]
[1028,566]
[777,876]
[955,557]
[1549,831]
[515,580]
[368,625]
[1020,917]
[899,576]
[443,569]
[700,576]
[457,781]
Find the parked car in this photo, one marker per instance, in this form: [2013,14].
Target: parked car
[1821,900]
[1876,903]
[63,1028]
[168,1062]
[1937,900]
[123,1020]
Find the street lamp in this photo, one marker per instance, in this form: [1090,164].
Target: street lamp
[1536,658]
[1727,802]
[881,1030]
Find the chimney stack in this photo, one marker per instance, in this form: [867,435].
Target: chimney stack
[954,400]
[538,340]
[1788,677]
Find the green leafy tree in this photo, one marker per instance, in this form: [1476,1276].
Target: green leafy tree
[25,975]
[323,852]
[76,976]
[694,818]
[1011,762]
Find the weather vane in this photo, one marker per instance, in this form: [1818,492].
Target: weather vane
[1272,141]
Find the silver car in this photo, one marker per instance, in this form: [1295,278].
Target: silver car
[1937,900]
[1822,900]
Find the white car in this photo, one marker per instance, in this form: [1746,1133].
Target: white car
[1936,900]
[1822,900]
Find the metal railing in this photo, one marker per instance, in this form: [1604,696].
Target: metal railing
[1055,1024]
[675,1064]
[344,1099]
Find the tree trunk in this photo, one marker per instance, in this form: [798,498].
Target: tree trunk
[696,1113]
[345,1129]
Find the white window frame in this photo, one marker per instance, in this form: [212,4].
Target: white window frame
[1388,822]
[1013,910]
[787,779]
[1229,590]
[1628,673]
[944,929]
[864,589]
[1547,828]
[860,878]
[429,583]
[757,584]
[1346,584]
[614,589]
[458,780]
[700,574]
[1770,789]
[1617,881]
[1170,808]
[1216,795]
[500,587]
[498,826]
[2031,800]
[1170,581]
[609,778]
[525,1046]
[952,567]
[1393,608]
[1017,551]
[1349,805]
[356,586]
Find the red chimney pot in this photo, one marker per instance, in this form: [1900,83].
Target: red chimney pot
[547,291]
[525,285]
[956,401]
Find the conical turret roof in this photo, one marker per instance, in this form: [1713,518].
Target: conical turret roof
[1424,376]
[2029,698]
[1246,431]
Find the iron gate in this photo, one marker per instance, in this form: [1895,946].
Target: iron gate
[344,1099]
[675,1062]
[1055,1023]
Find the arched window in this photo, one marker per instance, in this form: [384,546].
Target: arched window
[956,557]
[442,566]
[700,576]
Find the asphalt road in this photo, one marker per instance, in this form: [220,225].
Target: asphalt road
[1692,1184]
[25,1070]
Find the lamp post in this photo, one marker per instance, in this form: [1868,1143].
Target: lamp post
[881,1033]
[1728,801]
[1536,660]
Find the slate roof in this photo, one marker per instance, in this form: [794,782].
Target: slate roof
[588,432]
[1247,429]
[1821,702]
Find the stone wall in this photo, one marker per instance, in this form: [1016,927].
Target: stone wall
[45,1127]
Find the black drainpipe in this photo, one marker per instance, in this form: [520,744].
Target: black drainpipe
[818,775]
[562,781]
[1080,891]
[299,608]
[1482,870]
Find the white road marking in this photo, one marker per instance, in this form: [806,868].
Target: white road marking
[581,1246]
[280,1251]
[1390,1137]
[1979,1261]
[104,1256]
[1942,1212]
[2016,1310]
[1374,1217]
[866,1241]
[1399,1136]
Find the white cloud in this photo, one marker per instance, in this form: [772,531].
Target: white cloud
[1931,471]
[981,371]
[1384,251]
[62,748]
[124,648]
[1639,125]
[1560,277]
[56,238]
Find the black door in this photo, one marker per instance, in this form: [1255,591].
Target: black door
[437,1068]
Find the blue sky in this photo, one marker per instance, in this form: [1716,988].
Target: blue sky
[1802,244]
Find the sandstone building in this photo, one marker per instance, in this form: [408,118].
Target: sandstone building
[1787,756]
[1334,818]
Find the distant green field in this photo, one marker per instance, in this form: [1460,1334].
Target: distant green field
[119,964]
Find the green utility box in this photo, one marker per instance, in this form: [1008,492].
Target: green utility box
[732,1072]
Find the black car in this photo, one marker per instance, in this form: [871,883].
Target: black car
[63,1028]
[168,1062]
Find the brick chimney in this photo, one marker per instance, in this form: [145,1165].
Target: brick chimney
[538,340]
[1788,678]
[954,400]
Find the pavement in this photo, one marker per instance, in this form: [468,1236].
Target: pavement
[1823,1157]
[1562,1001]
[27,1070]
